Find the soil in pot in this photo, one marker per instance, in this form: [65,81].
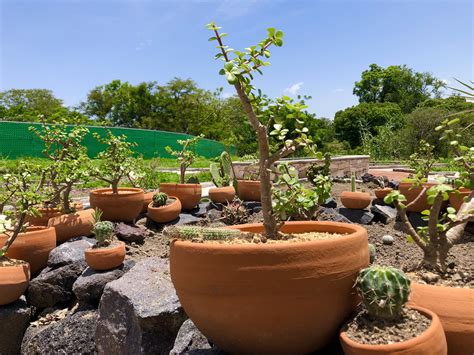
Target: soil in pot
[14,279]
[224,194]
[188,194]
[167,213]
[105,257]
[355,200]
[249,190]
[122,207]
[72,225]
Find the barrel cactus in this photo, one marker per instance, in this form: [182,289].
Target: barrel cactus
[103,231]
[384,291]
[159,199]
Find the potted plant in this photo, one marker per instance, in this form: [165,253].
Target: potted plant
[108,253]
[410,330]
[224,192]
[189,194]
[164,208]
[382,191]
[355,199]
[248,188]
[116,162]
[278,277]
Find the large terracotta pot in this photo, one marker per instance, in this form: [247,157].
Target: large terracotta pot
[122,207]
[411,194]
[249,190]
[105,258]
[455,308]
[165,214]
[381,193]
[457,199]
[188,194]
[287,298]
[147,198]
[14,281]
[355,200]
[72,225]
[432,341]
[47,213]
[223,194]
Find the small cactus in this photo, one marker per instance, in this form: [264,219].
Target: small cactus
[103,231]
[221,172]
[384,291]
[159,199]
[372,253]
[353,182]
[191,232]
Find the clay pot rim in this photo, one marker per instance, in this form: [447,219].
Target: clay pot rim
[102,192]
[425,184]
[32,230]
[384,189]
[222,188]
[356,193]
[20,263]
[435,323]
[176,200]
[178,185]
[355,231]
[252,182]
[98,251]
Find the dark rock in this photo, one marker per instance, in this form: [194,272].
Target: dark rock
[331,214]
[215,206]
[252,206]
[140,312]
[214,215]
[89,286]
[368,178]
[378,201]
[129,233]
[71,335]
[201,210]
[393,184]
[14,319]
[189,338]
[330,203]
[388,239]
[384,214]
[416,220]
[53,286]
[356,216]
[185,219]
[69,252]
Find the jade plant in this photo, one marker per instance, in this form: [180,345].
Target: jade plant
[239,68]
[116,161]
[68,158]
[422,160]
[160,199]
[186,156]
[384,291]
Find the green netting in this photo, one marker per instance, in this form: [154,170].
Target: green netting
[17,141]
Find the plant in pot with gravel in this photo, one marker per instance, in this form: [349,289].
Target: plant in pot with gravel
[115,163]
[385,325]
[355,199]
[294,275]
[221,177]
[108,253]
[164,208]
[382,191]
[188,193]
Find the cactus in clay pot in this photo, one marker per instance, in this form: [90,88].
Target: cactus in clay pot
[104,232]
[192,232]
[353,182]
[159,199]
[221,171]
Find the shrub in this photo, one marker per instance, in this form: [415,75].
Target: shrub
[185,156]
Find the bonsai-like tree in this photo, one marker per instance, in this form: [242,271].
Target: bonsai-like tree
[239,68]
[186,156]
[422,160]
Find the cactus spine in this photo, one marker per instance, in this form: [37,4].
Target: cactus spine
[384,291]
[221,172]
[353,182]
[192,232]
[103,231]
[159,199]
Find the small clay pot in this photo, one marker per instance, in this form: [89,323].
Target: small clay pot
[47,213]
[249,190]
[72,225]
[455,308]
[106,258]
[33,246]
[147,198]
[188,194]
[381,193]
[224,194]
[122,207]
[355,200]
[457,199]
[14,281]
[432,341]
[412,194]
[167,213]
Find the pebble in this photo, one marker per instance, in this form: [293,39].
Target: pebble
[388,239]
[430,277]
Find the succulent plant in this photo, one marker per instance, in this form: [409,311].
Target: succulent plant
[221,171]
[372,253]
[353,182]
[192,232]
[159,199]
[384,291]
[235,213]
[103,231]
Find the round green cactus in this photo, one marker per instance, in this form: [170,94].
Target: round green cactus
[103,231]
[384,291]
[159,199]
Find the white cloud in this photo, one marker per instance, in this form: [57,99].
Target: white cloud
[143,44]
[293,89]
[338,90]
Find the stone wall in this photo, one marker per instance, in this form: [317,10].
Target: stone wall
[340,166]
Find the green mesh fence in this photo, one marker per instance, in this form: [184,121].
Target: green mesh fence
[16,140]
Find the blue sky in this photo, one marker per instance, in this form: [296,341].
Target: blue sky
[70,46]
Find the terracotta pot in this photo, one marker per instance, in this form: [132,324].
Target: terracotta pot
[165,214]
[249,190]
[122,207]
[47,213]
[421,204]
[188,194]
[271,298]
[147,198]
[33,246]
[381,193]
[105,258]
[14,281]
[355,200]
[432,341]
[455,308]
[456,200]
[223,194]
[72,225]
